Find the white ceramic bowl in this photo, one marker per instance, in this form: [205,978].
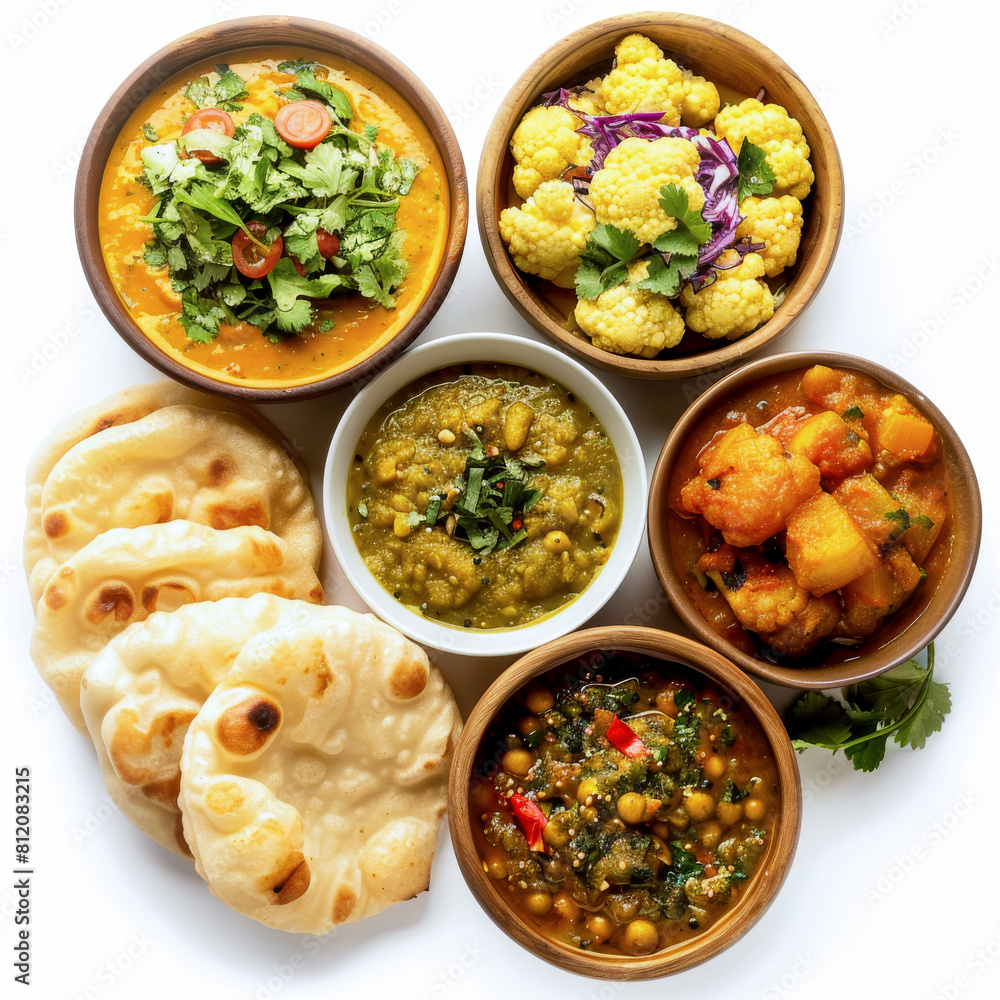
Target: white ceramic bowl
[470,348]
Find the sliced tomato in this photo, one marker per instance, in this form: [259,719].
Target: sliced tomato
[329,243]
[299,266]
[218,121]
[249,258]
[303,124]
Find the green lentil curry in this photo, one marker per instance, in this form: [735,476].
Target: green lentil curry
[622,803]
[426,496]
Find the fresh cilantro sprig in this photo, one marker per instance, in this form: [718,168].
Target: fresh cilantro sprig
[225,93]
[691,229]
[309,87]
[905,703]
[604,260]
[756,175]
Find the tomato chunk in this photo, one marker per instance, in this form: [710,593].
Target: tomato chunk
[214,119]
[303,124]
[249,258]
[329,243]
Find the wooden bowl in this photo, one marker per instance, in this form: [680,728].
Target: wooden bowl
[917,622]
[725,56]
[771,869]
[227,37]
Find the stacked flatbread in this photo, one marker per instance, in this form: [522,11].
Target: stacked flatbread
[298,753]
[157,497]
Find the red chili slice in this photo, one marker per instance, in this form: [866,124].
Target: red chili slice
[249,258]
[531,820]
[217,121]
[623,738]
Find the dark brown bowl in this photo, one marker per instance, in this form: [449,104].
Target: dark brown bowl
[917,622]
[228,36]
[724,55]
[771,869]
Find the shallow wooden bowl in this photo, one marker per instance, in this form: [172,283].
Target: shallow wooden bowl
[771,869]
[916,623]
[725,56]
[226,37]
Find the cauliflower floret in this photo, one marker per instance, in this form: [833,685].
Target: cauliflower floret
[776,222]
[591,100]
[642,80]
[780,136]
[544,145]
[629,320]
[735,303]
[625,192]
[546,234]
[701,100]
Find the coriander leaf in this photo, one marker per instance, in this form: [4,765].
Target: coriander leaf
[293,66]
[853,413]
[604,260]
[665,277]
[287,285]
[229,88]
[691,229]
[294,319]
[923,520]
[756,175]
[820,720]
[901,520]
[154,253]
[200,196]
[306,83]
[199,92]
[324,172]
[620,243]
[868,754]
[200,317]
[149,133]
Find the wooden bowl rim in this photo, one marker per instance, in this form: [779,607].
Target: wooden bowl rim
[805,287]
[235,35]
[942,604]
[771,871]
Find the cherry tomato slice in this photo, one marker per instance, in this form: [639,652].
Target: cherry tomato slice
[217,121]
[249,259]
[329,243]
[303,124]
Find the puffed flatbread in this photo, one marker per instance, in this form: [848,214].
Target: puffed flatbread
[177,462]
[122,407]
[314,778]
[141,692]
[126,574]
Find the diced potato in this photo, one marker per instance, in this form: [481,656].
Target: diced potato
[873,507]
[516,424]
[826,440]
[818,619]
[903,431]
[825,546]
[924,497]
[878,593]
[748,485]
[819,383]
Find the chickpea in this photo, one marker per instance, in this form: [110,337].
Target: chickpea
[632,807]
[537,903]
[710,834]
[640,937]
[699,805]
[565,906]
[539,701]
[754,809]
[714,767]
[666,704]
[585,790]
[728,813]
[496,867]
[530,724]
[517,761]
[600,927]
[555,835]
[556,541]
[400,526]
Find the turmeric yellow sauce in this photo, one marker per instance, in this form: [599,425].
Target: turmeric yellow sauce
[241,354]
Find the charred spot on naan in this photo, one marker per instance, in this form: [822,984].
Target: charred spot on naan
[290,880]
[113,598]
[223,515]
[142,757]
[245,728]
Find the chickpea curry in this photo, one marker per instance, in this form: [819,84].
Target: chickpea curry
[272,220]
[621,803]
[484,496]
[807,511]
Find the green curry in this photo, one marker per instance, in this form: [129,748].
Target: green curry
[484,496]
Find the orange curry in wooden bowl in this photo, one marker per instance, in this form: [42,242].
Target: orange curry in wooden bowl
[271,221]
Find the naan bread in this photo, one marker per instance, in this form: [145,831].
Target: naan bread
[178,462]
[126,574]
[123,407]
[314,778]
[142,691]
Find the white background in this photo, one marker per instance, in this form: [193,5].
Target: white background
[893,892]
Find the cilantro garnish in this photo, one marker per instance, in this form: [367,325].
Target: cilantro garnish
[756,175]
[149,133]
[309,87]
[691,229]
[227,91]
[495,493]
[853,413]
[604,260]
[905,703]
